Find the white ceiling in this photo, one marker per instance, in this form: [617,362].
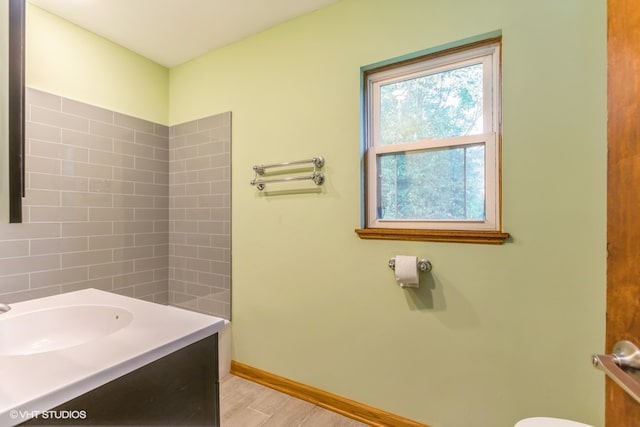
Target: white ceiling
[171,32]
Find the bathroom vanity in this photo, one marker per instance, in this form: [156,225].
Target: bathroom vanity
[95,358]
[180,389]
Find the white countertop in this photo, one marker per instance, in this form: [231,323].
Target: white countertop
[42,381]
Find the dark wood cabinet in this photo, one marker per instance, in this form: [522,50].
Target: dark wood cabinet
[180,389]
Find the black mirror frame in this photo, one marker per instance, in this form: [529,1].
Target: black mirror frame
[16,108]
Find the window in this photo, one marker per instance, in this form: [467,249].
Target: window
[432,141]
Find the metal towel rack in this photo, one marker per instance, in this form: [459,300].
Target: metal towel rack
[316,176]
[623,366]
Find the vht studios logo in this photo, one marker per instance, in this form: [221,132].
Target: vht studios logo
[48,415]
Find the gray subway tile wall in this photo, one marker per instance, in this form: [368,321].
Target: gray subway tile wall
[200,215]
[100,211]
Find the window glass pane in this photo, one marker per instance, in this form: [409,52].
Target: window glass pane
[437,184]
[441,105]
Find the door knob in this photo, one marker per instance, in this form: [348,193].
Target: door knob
[622,366]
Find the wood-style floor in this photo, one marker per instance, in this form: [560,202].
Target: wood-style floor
[247,404]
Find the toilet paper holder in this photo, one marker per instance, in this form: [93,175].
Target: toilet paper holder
[424,265]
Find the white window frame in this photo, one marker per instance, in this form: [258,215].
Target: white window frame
[487,54]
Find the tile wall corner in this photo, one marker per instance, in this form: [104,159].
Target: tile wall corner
[100,205]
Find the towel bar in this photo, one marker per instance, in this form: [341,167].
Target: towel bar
[318,162]
[318,179]
[316,176]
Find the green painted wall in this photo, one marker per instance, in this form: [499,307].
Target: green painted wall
[501,332]
[64,59]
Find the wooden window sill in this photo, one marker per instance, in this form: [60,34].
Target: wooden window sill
[457,236]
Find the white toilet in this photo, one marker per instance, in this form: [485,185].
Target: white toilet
[548,422]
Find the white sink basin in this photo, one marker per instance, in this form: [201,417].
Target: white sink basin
[58,328]
[549,422]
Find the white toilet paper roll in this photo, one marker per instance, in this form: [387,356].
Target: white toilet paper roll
[407,271]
